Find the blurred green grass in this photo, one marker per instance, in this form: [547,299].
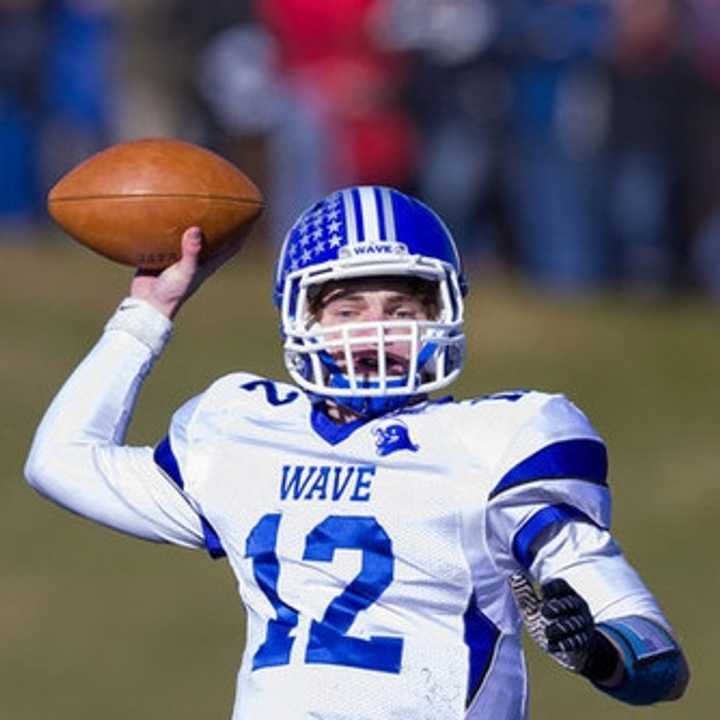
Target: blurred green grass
[94,624]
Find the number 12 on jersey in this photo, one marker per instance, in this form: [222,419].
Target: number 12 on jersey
[328,641]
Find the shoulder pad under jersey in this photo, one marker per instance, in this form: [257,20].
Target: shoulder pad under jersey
[529,435]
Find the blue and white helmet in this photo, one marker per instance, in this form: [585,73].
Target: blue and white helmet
[366,232]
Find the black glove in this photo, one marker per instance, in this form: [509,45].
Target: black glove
[560,622]
[570,626]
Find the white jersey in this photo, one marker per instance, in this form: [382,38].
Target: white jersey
[372,557]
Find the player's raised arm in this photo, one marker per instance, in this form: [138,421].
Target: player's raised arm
[126,203]
[78,458]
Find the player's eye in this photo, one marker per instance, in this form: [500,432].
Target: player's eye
[406,312]
[348,311]
[343,312]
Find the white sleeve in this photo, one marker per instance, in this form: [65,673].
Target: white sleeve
[78,459]
[593,564]
[553,471]
[549,514]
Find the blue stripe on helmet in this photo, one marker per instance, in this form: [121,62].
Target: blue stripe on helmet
[341,223]
[380,213]
[355,193]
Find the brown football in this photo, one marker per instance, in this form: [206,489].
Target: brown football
[132,201]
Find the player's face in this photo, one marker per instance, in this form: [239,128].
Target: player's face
[371,301]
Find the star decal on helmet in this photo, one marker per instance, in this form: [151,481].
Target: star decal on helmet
[317,232]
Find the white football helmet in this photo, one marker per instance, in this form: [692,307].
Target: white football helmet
[369,232]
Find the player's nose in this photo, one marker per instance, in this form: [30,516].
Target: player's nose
[374,312]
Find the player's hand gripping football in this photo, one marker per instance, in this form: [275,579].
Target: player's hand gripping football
[558,620]
[168,289]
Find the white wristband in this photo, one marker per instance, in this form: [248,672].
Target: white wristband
[141,320]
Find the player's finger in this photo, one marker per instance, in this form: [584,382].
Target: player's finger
[191,246]
[563,637]
[185,273]
[563,606]
[575,625]
[572,643]
[557,588]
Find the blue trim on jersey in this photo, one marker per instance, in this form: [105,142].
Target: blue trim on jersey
[541,527]
[335,433]
[166,460]
[580,459]
[213,544]
[331,431]
[481,637]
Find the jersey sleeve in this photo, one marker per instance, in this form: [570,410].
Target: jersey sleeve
[551,470]
[78,458]
[549,512]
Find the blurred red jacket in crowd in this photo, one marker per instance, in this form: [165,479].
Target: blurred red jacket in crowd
[330,54]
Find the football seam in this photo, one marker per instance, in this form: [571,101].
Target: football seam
[159,196]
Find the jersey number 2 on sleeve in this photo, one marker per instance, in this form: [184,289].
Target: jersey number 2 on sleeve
[328,640]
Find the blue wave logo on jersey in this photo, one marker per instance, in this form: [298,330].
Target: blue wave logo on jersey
[393,437]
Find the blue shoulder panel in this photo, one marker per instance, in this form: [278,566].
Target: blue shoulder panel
[165,459]
[580,459]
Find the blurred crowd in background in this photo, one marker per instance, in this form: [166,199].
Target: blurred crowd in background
[576,142]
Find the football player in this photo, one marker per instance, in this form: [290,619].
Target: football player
[388,545]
